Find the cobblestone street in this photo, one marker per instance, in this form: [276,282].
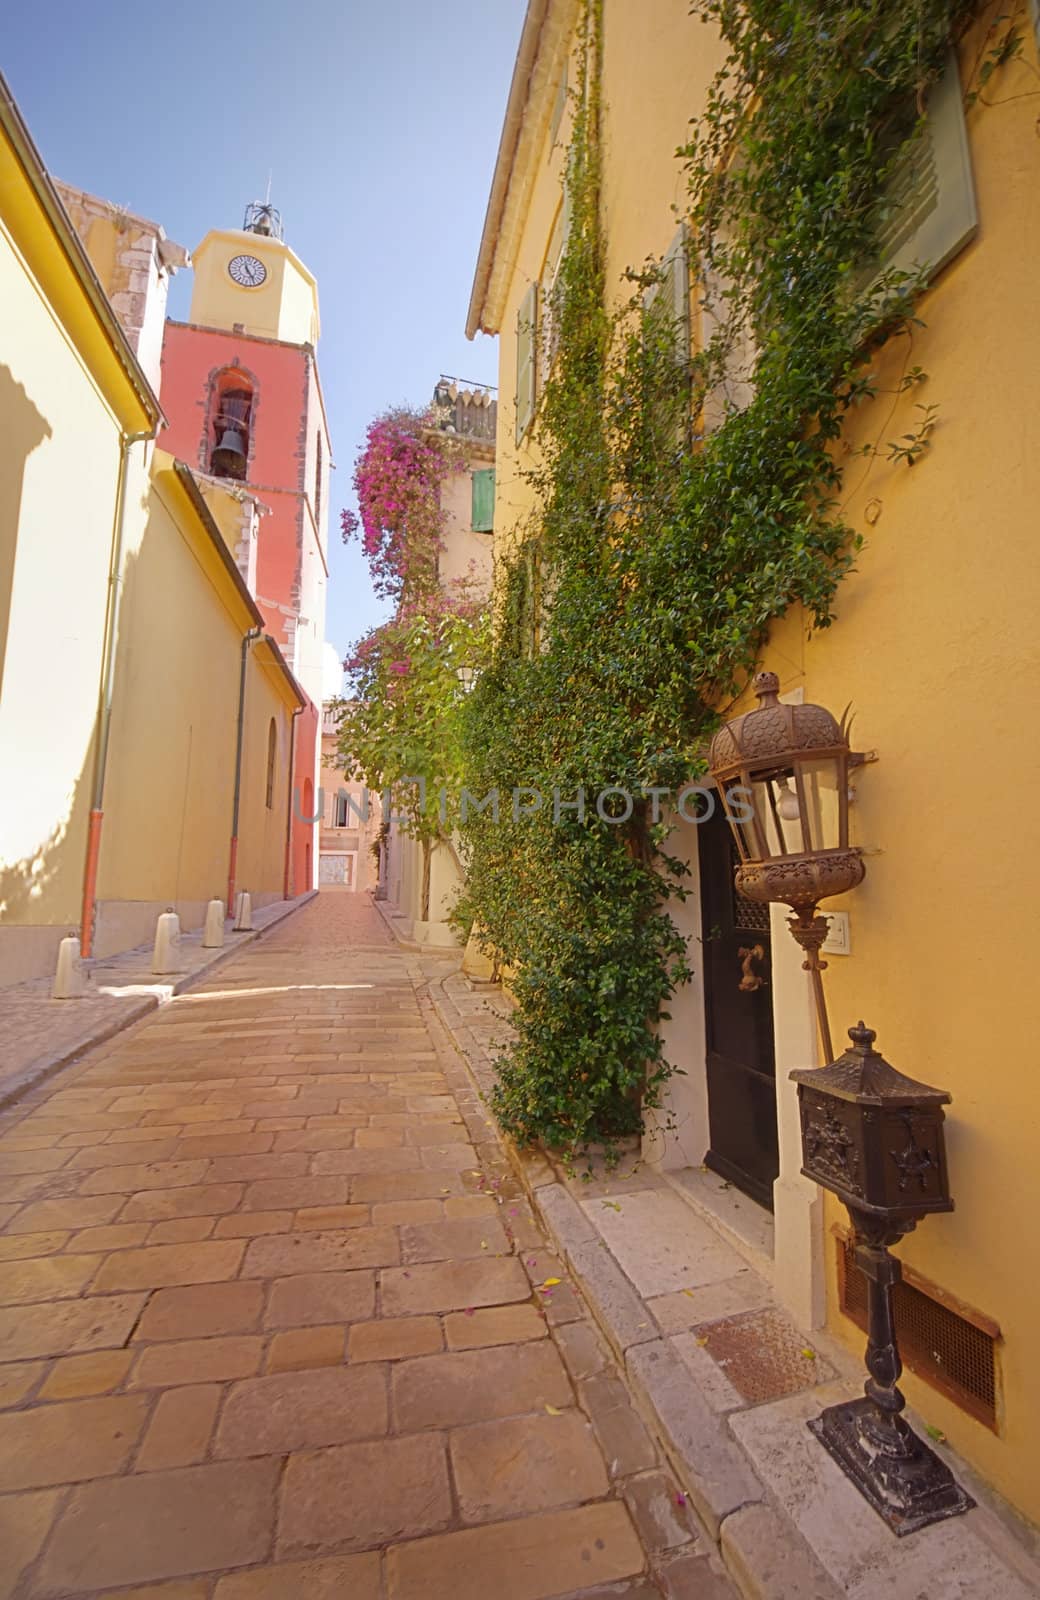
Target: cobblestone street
[275,1319]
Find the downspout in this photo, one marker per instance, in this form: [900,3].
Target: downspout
[247,640]
[289,808]
[105,686]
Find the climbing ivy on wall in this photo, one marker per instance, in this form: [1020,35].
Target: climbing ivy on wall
[682,506]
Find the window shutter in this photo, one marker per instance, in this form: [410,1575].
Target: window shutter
[526,330]
[930,196]
[566,213]
[672,292]
[677,288]
[483,520]
[558,108]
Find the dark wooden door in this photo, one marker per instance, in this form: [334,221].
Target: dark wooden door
[739,1007]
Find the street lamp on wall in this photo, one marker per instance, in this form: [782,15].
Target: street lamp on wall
[870,1135]
[783,774]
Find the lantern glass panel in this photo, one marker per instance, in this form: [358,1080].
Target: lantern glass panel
[819,785]
[737,809]
[767,797]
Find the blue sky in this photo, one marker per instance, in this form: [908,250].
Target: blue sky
[380,123]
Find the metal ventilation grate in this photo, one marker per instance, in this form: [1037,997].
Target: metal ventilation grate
[954,1352]
[748,915]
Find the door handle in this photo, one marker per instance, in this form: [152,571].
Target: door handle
[749,980]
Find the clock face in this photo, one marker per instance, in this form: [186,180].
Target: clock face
[247,271]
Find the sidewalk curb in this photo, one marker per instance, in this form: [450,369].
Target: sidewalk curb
[399,939]
[763,1553]
[45,1066]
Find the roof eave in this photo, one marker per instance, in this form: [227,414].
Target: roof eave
[50,201]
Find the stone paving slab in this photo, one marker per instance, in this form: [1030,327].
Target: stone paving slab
[277,1321]
[40,1034]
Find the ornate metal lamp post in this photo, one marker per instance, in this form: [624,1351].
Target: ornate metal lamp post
[870,1135]
[783,774]
[875,1139]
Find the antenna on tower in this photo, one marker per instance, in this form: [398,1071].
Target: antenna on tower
[267,200]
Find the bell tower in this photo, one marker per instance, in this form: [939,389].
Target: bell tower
[248,279]
[240,387]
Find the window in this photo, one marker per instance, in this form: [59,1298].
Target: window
[341,811]
[526,333]
[232,417]
[929,211]
[317,483]
[483,518]
[272,751]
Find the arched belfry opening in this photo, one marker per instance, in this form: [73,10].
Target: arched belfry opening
[232,422]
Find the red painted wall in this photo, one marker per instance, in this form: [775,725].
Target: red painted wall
[279,376]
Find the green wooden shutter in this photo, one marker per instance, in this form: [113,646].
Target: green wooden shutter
[483,520]
[526,332]
[930,198]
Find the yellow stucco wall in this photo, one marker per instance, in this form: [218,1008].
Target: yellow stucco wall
[63,401]
[169,790]
[936,644]
[261,828]
[70,394]
[467,556]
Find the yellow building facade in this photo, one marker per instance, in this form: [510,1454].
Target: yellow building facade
[935,643]
[122,620]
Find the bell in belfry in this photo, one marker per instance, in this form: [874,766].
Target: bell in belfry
[229,458]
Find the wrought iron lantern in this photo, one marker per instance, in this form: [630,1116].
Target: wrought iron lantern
[783,774]
[874,1138]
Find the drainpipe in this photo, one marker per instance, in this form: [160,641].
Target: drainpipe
[105,686]
[289,812]
[247,640]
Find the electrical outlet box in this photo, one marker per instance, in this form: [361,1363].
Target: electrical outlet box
[839,940]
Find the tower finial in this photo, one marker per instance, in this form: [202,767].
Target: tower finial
[263,218]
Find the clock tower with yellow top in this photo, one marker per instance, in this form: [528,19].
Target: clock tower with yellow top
[240,387]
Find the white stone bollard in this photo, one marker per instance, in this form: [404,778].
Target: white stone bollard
[244,912]
[70,979]
[166,956]
[213,933]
